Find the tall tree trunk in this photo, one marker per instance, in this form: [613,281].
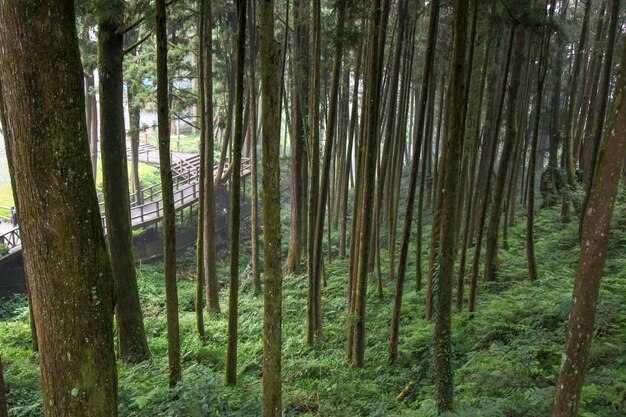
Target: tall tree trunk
[169,214]
[235,203]
[270,122]
[451,168]
[209,249]
[530,232]
[603,96]
[568,144]
[300,105]
[131,336]
[313,327]
[9,156]
[252,50]
[417,143]
[368,147]
[595,235]
[42,82]
[200,275]
[134,119]
[484,191]
[491,253]
[328,148]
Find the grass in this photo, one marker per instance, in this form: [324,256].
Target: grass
[506,359]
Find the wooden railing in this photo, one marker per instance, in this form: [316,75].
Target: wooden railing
[186,193]
[10,239]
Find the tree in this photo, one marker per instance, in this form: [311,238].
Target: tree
[506,155]
[235,203]
[210,258]
[254,230]
[300,108]
[359,257]
[328,149]
[42,81]
[270,123]
[131,336]
[200,271]
[314,308]
[593,251]
[544,47]
[451,161]
[169,214]
[417,143]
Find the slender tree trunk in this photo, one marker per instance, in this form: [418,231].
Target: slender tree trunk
[270,121]
[9,153]
[209,250]
[568,144]
[131,337]
[417,143]
[313,308]
[484,191]
[300,105]
[368,146]
[42,82]
[169,214]
[451,168]
[235,203]
[252,50]
[491,253]
[328,148]
[593,252]
[200,275]
[603,96]
[530,233]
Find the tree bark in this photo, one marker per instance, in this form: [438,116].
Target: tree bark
[270,122]
[131,336]
[451,168]
[235,203]
[417,143]
[209,249]
[252,50]
[491,253]
[593,252]
[42,81]
[313,328]
[169,214]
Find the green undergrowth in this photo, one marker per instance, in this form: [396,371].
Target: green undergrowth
[506,359]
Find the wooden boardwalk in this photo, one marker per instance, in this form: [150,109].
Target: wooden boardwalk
[146,208]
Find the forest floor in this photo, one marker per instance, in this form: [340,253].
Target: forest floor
[506,359]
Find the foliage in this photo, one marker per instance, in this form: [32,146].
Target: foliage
[505,360]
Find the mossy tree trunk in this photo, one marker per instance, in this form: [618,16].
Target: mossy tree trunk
[209,249]
[506,155]
[270,122]
[169,214]
[593,252]
[328,149]
[7,147]
[481,213]
[235,203]
[314,312]
[451,166]
[417,143]
[45,109]
[131,336]
[200,275]
[252,85]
